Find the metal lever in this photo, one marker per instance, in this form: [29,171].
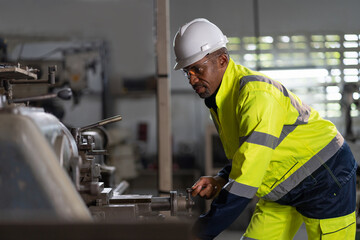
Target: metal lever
[64,94]
[101,123]
[76,132]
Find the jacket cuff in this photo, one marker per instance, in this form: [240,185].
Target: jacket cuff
[225,172]
[224,210]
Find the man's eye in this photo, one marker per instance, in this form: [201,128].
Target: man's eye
[197,69]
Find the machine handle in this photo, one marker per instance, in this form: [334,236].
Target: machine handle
[101,123]
[64,94]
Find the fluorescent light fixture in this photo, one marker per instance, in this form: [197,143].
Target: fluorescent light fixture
[352,54]
[351,71]
[351,44]
[350,61]
[297,73]
[356,95]
[332,89]
[335,72]
[285,39]
[250,57]
[267,39]
[351,37]
[333,96]
[351,79]
[250,47]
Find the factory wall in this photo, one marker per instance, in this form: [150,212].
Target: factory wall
[236,18]
[127,26]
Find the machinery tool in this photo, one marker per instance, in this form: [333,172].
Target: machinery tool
[49,173]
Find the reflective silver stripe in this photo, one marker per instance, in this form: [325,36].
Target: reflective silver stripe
[308,168]
[303,110]
[240,189]
[287,129]
[260,138]
[267,139]
[247,238]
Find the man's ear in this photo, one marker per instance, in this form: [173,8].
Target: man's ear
[223,60]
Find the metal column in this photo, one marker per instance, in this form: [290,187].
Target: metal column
[163,96]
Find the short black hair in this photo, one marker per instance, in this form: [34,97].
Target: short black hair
[221,51]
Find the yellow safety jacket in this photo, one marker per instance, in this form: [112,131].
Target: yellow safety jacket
[272,138]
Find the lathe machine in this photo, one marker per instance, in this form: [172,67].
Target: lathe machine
[51,176]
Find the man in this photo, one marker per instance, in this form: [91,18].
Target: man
[278,147]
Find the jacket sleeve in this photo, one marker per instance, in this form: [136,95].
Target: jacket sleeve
[225,171]
[225,208]
[260,117]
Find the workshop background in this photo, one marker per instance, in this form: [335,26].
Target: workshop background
[106,51]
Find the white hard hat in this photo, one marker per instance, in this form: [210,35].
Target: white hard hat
[196,39]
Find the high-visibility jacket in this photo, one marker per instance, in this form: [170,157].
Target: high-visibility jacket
[271,137]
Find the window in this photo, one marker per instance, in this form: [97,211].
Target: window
[315,67]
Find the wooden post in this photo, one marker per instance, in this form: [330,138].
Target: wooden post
[163,97]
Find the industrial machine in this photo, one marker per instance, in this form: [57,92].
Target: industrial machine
[52,174]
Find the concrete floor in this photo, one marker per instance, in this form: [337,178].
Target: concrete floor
[236,235]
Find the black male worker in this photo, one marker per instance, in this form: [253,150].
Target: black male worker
[279,149]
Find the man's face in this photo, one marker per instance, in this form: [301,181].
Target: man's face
[203,76]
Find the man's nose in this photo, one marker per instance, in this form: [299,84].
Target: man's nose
[193,79]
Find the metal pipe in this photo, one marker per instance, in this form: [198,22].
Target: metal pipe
[29,99]
[160,203]
[24,81]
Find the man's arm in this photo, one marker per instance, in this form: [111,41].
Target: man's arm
[210,186]
[225,172]
[225,208]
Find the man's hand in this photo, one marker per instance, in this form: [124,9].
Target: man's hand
[208,187]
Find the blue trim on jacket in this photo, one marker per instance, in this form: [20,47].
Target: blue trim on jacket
[225,208]
[225,172]
[328,192]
